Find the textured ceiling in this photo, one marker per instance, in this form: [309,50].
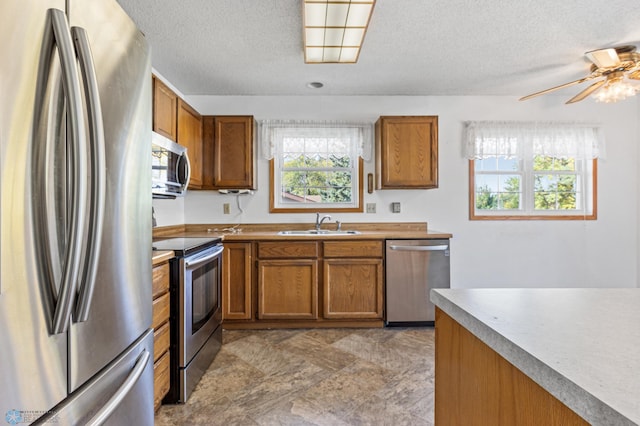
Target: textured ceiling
[412,47]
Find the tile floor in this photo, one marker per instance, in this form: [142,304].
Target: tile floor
[334,377]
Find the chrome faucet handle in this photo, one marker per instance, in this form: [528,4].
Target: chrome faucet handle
[338,225]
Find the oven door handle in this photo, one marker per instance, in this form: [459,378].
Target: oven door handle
[197,260]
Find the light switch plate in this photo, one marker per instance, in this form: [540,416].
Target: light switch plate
[395,207]
[371,207]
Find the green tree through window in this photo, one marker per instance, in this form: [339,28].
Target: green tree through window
[318,179]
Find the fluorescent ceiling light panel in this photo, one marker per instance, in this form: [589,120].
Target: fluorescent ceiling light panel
[334,29]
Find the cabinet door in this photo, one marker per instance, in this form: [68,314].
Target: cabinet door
[190,136]
[407,152]
[236,281]
[353,288]
[288,289]
[233,152]
[165,109]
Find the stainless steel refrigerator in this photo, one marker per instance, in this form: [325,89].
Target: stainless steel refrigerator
[75,211]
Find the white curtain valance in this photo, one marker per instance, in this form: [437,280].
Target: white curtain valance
[271,132]
[483,139]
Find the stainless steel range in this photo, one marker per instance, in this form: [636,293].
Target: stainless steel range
[196,310]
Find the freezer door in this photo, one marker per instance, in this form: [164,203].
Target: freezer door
[122,394]
[33,362]
[120,310]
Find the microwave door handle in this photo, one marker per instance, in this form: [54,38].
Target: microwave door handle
[57,34]
[197,261]
[187,165]
[98,175]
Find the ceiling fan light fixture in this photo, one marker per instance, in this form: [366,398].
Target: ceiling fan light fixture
[334,29]
[615,90]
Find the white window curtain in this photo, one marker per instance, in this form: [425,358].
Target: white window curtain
[485,139]
[273,131]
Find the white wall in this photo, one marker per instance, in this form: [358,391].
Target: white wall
[484,253]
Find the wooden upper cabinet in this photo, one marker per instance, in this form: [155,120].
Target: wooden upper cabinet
[228,150]
[190,136]
[407,152]
[165,110]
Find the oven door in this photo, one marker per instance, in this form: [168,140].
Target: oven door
[200,301]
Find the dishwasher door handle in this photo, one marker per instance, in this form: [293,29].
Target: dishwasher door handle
[442,247]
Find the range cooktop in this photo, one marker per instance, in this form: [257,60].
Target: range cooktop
[187,245]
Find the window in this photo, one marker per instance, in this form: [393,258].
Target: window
[315,166]
[532,170]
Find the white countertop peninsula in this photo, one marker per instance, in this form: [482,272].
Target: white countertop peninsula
[580,345]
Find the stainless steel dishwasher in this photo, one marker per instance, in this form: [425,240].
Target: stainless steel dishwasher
[413,268]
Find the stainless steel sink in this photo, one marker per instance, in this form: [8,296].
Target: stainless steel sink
[314,232]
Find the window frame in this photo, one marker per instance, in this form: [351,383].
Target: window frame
[359,199]
[527,190]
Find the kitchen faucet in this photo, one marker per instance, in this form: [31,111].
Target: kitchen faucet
[319,221]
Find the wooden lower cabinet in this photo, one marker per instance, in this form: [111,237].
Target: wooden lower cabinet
[161,334]
[474,385]
[288,289]
[353,288]
[236,281]
[311,283]
[160,379]
[353,283]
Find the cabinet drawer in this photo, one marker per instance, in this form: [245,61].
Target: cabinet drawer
[160,379]
[161,341]
[352,248]
[160,311]
[160,280]
[274,250]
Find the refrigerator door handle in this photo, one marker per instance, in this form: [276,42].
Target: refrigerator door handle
[97,177]
[112,404]
[57,34]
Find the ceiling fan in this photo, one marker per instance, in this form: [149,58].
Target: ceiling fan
[613,64]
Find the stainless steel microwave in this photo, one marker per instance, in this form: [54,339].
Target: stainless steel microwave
[170,170]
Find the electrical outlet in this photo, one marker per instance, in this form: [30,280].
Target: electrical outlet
[226,209]
[371,207]
[395,207]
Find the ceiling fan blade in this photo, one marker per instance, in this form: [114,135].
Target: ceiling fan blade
[603,58]
[586,92]
[562,86]
[634,75]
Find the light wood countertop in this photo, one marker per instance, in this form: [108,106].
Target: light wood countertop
[161,256]
[262,232]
